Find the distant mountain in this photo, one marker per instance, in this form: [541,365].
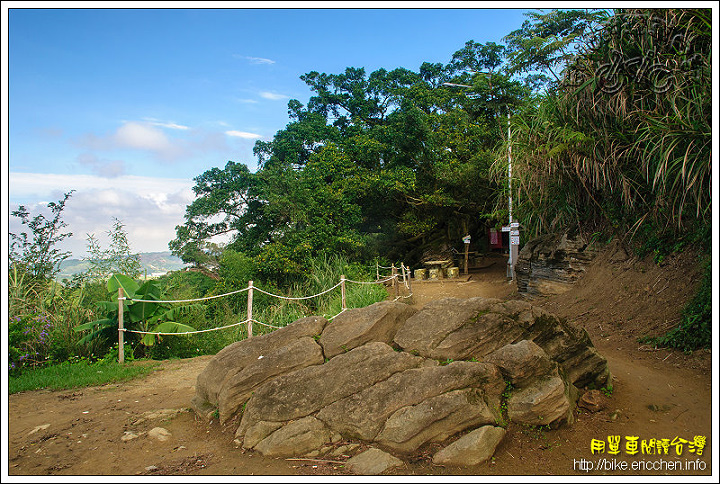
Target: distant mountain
[153,264]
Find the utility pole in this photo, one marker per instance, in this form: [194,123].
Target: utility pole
[513,227]
[514,236]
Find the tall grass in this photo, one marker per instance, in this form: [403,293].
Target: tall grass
[41,315]
[322,274]
[624,146]
[638,153]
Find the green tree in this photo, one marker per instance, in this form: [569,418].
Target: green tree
[226,202]
[384,163]
[117,258]
[36,252]
[549,42]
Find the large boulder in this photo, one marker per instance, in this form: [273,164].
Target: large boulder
[296,438]
[541,393]
[548,401]
[521,362]
[238,386]
[374,393]
[308,390]
[398,379]
[437,418]
[372,462]
[408,397]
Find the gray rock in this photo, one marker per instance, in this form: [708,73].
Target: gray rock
[258,432]
[372,462]
[296,438]
[296,402]
[233,358]
[551,264]
[239,385]
[546,401]
[355,327]
[363,414]
[569,345]
[423,332]
[462,329]
[435,419]
[521,362]
[472,449]
[305,391]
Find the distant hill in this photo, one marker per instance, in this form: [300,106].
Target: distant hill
[153,263]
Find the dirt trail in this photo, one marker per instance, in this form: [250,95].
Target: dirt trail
[657,394]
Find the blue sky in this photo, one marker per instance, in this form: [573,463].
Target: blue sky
[126,106]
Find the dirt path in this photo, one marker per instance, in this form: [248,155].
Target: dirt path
[104,430]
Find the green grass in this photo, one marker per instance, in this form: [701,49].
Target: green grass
[78,374]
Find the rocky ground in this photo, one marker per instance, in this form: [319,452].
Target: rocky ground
[115,430]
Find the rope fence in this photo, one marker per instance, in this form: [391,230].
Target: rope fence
[249,320]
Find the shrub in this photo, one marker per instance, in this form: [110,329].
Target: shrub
[695,329]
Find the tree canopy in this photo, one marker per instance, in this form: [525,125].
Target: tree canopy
[392,163]
[380,164]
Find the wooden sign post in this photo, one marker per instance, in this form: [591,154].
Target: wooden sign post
[466,240]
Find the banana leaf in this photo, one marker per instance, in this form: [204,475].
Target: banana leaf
[118,281]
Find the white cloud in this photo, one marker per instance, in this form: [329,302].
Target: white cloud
[48,185]
[146,136]
[242,134]
[166,124]
[273,96]
[142,137]
[256,60]
[150,208]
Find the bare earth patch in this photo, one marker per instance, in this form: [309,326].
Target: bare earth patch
[657,394]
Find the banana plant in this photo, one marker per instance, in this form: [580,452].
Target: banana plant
[138,314]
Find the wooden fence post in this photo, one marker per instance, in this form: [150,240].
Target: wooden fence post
[121,326]
[409,280]
[395,281]
[249,309]
[342,292]
[467,245]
